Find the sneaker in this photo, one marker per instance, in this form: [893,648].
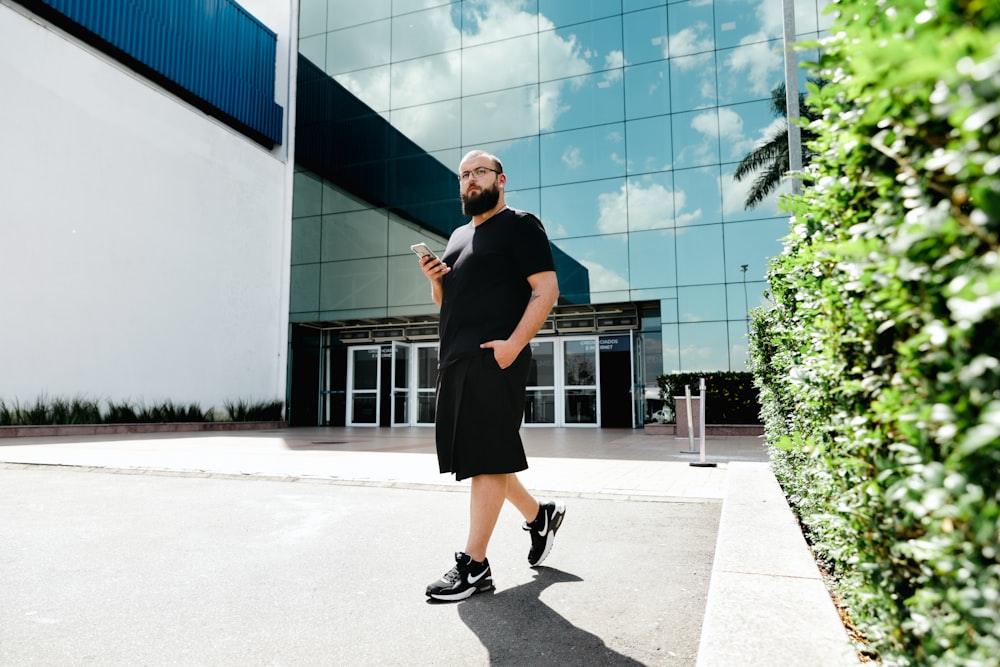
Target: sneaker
[543,531]
[465,579]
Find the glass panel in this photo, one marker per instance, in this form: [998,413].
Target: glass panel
[692,82]
[645,36]
[740,22]
[431,126]
[312,18]
[426,406]
[560,56]
[404,6]
[651,259]
[365,369]
[401,369]
[543,369]
[652,201]
[407,286]
[632,5]
[484,70]
[307,195]
[738,346]
[580,362]
[422,33]
[427,360]
[429,79]
[354,284]
[355,235]
[696,138]
[363,409]
[584,209]
[698,198]
[304,289]
[593,99]
[597,45]
[735,196]
[583,155]
[306,240]
[520,163]
[314,49]
[492,21]
[371,86]
[581,406]
[352,13]
[561,12]
[508,114]
[357,48]
[649,145]
[703,303]
[540,406]
[751,72]
[752,243]
[742,127]
[806,17]
[691,27]
[704,346]
[400,414]
[700,255]
[647,90]
[605,260]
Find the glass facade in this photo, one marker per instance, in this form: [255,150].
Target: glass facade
[619,122]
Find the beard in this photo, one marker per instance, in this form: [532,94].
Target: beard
[485,201]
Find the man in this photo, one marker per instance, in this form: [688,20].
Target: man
[495,284]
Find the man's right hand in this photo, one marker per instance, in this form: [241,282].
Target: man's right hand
[433,268]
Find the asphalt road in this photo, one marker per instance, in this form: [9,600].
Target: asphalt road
[101,568]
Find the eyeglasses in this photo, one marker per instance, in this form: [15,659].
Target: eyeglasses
[478,172]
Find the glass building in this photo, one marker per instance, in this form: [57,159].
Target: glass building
[619,123]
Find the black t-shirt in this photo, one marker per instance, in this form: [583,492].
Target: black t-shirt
[485,293]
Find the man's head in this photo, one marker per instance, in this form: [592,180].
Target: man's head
[480,182]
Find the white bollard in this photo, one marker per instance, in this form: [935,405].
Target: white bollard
[701,423]
[687,401]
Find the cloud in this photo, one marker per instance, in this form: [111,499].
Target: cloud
[689,42]
[572,157]
[603,279]
[637,206]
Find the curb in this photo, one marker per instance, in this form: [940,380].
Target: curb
[767,602]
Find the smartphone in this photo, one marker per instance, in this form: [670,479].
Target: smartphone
[422,250]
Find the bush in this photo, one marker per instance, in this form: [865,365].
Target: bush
[62,412]
[879,364]
[730,397]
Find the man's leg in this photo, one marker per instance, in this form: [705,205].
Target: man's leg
[486,500]
[522,499]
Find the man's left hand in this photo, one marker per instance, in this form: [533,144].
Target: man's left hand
[504,351]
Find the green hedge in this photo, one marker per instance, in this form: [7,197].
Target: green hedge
[879,363]
[730,397]
[77,411]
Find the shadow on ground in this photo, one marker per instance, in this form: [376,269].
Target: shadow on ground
[517,628]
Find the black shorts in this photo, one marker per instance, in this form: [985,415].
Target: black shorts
[478,416]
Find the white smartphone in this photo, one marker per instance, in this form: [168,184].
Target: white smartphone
[422,250]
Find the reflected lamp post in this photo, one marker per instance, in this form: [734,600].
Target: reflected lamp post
[746,301]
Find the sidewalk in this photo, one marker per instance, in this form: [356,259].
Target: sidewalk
[765,602]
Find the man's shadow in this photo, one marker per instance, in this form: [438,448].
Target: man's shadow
[517,628]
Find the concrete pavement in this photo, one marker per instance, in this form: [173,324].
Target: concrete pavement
[163,553]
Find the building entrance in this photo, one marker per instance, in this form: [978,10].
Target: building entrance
[574,381]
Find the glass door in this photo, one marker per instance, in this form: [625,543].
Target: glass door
[401,384]
[540,399]
[363,385]
[581,402]
[426,361]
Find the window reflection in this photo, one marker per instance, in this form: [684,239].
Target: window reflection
[579,49]
[371,86]
[652,261]
[353,235]
[698,197]
[427,79]
[648,143]
[703,346]
[750,72]
[692,82]
[410,31]
[484,69]
[604,257]
[702,303]
[496,116]
[585,209]
[647,90]
[700,256]
[582,155]
[652,201]
[645,35]
[560,12]
[696,138]
[491,21]
[359,47]
[345,14]
[691,27]
[593,99]
[739,22]
[354,284]
[749,243]
[432,126]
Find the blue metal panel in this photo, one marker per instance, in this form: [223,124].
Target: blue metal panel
[214,49]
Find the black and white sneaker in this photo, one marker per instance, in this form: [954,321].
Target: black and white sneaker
[543,530]
[465,579]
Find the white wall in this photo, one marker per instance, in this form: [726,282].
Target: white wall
[142,244]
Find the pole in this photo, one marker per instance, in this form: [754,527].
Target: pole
[701,424]
[792,94]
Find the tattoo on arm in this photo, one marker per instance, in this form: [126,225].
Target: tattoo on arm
[534,295]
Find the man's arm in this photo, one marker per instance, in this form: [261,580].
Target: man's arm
[544,293]
[434,269]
